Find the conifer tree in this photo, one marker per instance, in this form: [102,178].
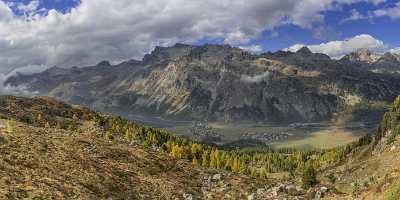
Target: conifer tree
[177,151]
[253,172]
[107,136]
[228,162]
[213,162]
[205,159]
[235,165]
[309,178]
[196,150]
[128,135]
[263,172]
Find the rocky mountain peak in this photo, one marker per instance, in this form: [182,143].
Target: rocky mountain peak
[104,63]
[214,53]
[304,51]
[182,45]
[363,51]
[389,57]
[167,53]
[362,55]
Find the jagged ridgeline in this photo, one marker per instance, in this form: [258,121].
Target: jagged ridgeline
[51,114]
[225,84]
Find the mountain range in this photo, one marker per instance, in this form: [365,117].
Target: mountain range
[226,84]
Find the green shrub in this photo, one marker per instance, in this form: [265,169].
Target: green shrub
[332,178]
[309,178]
[355,189]
[393,193]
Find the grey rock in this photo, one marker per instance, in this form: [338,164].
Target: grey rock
[251,197]
[187,196]
[216,177]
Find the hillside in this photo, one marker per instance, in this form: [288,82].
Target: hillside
[54,150]
[220,83]
[372,171]
[57,163]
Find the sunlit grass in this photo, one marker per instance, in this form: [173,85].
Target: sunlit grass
[323,139]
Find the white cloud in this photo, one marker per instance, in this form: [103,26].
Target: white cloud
[253,48]
[339,48]
[21,89]
[395,50]
[392,12]
[294,47]
[30,7]
[376,2]
[27,70]
[5,12]
[255,79]
[117,30]
[355,15]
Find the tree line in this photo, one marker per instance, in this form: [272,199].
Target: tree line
[254,163]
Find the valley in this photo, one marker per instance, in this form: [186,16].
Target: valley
[319,135]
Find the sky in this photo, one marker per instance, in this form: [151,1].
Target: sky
[38,34]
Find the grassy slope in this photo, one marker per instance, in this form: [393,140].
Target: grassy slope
[56,164]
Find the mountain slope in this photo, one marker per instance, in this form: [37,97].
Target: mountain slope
[218,83]
[58,163]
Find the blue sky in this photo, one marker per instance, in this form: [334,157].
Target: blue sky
[72,32]
[60,5]
[384,28]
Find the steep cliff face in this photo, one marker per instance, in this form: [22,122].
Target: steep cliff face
[218,83]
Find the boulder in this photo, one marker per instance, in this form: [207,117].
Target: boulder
[216,177]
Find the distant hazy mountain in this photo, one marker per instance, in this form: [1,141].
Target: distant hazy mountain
[387,62]
[223,83]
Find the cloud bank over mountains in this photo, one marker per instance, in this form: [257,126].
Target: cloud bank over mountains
[119,30]
[337,49]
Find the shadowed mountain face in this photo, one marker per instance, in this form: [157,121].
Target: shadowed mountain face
[219,83]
